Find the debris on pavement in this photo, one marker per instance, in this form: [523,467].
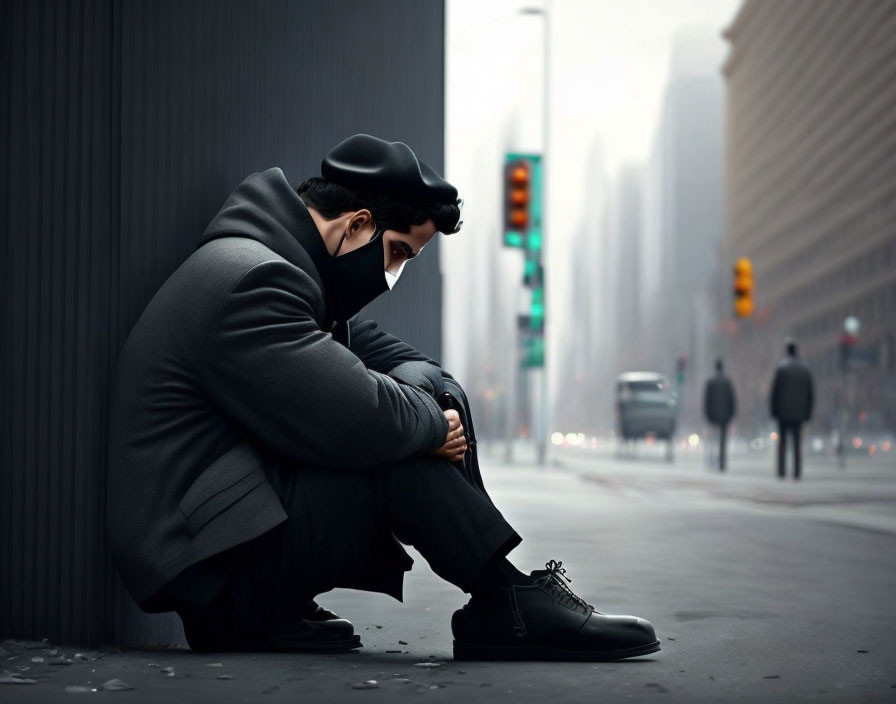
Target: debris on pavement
[428,664]
[78,689]
[116,685]
[366,684]
[16,679]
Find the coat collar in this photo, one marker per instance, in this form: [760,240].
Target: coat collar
[265,208]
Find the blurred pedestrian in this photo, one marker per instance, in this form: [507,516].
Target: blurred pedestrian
[791,405]
[719,406]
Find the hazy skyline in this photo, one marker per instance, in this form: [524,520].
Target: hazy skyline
[609,64]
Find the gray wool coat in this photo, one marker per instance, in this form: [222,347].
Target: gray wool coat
[793,392]
[233,359]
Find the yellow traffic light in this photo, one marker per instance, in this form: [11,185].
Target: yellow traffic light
[743,288]
[518,189]
[743,307]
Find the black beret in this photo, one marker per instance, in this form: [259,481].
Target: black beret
[367,163]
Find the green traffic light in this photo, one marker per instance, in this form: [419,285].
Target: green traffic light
[513,239]
[536,308]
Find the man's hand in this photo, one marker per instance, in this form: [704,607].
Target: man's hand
[455,444]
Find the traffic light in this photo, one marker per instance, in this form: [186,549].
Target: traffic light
[517,200]
[533,271]
[680,366]
[743,288]
[522,229]
[522,201]
[533,352]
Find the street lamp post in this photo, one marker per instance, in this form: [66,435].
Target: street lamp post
[540,406]
[848,339]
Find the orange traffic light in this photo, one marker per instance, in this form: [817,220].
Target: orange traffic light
[743,288]
[743,307]
[518,196]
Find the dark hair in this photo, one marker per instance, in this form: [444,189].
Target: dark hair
[331,200]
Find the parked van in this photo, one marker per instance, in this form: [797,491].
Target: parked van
[645,406]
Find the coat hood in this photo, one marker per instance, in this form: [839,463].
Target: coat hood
[265,208]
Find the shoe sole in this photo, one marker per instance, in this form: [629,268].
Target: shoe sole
[321,646]
[463,651]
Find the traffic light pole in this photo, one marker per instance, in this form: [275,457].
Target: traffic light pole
[540,404]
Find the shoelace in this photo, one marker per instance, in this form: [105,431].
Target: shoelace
[556,580]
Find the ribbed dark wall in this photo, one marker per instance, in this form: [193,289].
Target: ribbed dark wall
[126,126]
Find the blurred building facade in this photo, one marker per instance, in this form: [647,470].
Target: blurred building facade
[682,229]
[811,196]
[584,403]
[627,223]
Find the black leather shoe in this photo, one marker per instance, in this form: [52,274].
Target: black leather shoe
[312,611]
[319,631]
[545,620]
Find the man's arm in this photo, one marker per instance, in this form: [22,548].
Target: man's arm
[773,396]
[811,394]
[267,364]
[387,354]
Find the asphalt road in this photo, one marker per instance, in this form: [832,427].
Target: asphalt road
[760,590]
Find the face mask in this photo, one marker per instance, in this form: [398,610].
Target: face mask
[358,277]
[392,279]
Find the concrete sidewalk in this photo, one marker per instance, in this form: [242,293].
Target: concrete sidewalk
[749,606]
[862,496]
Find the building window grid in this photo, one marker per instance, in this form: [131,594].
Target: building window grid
[798,181]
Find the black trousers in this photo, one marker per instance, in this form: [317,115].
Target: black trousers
[344,530]
[723,437]
[793,430]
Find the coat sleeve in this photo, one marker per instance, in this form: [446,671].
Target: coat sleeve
[381,351]
[811,400]
[774,400]
[387,354]
[268,365]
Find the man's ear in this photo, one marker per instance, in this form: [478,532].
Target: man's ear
[359,220]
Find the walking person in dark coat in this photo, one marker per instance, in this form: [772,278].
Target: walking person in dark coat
[791,405]
[719,406]
[266,446]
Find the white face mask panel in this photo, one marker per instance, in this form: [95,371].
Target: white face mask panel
[392,279]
